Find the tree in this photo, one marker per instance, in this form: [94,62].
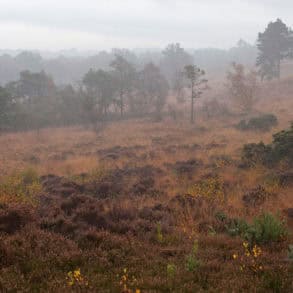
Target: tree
[197,85]
[101,85]
[242,87]
[274,45]
[124,73]
[154,89]
[5,103]
[175,58]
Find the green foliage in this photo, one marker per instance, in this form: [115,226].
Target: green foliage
[262,123]
[171,270]
[266,228]
[237,227]
[192,261]
[271,154]
[160,237]
[290,252]
[283,145]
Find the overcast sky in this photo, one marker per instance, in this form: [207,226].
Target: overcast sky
[104,24]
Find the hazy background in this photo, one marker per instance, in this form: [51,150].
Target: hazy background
[104,24]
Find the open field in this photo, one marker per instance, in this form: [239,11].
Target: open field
[144,206]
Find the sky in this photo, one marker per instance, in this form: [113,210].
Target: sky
[105,24]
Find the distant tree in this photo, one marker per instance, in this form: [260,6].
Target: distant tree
[154,89]
[5,103]
[242,87]
[35,95]
[175,58]
[124,73]
[69,106]
[33,85]
[196,83]
[102,86]
[274,45]
[29,61]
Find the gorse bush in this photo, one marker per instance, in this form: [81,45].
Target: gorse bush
[267,228]
[211,188]
[281,149]
[261,123]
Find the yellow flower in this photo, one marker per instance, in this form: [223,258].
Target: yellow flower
[235,256]
[245,244]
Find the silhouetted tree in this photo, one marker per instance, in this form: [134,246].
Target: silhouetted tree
[274,45]
[175,58]
[5,107]
[124,73]
[197,85]
[154,89]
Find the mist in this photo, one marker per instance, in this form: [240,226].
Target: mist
[146,146]
[100,25]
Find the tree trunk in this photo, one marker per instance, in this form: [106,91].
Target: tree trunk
[192,107]
[121,104]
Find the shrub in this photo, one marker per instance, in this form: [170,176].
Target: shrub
[192,261]
[210,188]
[171,271]
[283,145]
[281,149]
[256,153]
[266,228]
[262,123]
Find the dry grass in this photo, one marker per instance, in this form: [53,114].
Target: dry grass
[123,150]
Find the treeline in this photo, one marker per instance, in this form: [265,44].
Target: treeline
[70,69]
[124,85]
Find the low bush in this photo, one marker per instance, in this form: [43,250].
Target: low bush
[281,149]
[265,228]
[262,123]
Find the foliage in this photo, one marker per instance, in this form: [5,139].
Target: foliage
[171,270]
[126,282]
[76,279]
[211,188]
[124,73]
[160,236]
[196,83]
[249,259]
[242,87]
[153,91]
[262,123]
[280,149]
[192,261]
[266,228]
[274,45]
